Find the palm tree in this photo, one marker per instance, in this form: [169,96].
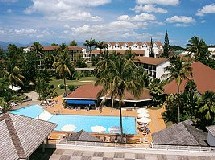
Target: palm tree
[90,43]
[178,71]
[37,48]
[62,64]
[15,77]
[198,47]
[4,105]
[101,45]
[207,109]
[122,76]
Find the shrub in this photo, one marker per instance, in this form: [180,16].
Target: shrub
[71,87]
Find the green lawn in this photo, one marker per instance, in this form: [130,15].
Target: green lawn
[81,81]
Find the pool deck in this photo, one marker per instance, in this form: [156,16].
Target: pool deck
[156,124]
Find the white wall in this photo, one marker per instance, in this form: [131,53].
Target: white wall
[210,139]
[160,69]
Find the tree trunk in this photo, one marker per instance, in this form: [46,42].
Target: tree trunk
[64,81]
[120,119]
[178,105]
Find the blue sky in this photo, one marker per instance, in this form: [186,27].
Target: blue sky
[60,21]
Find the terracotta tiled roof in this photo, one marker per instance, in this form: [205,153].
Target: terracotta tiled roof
[203,76]
[97,51]
[132,43]
[150,60]
[21,136]
[90,91]
[70,48]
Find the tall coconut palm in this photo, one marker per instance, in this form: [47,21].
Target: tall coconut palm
[15,77]
[122,76]
[101,45]
[62,64]
[178,71]
[198,47]
[90,43]
[37,48]
[206,109]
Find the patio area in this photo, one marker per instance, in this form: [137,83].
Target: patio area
[156,124]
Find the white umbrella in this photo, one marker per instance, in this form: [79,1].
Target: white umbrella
[98,129]
[140,115]
[144,120]
[140,110]
[68,128]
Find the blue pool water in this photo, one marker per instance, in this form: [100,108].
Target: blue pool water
[81,121]
[30,111]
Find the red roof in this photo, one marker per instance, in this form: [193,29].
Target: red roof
[203,76]
[70,48]
[90,91]
[150,60]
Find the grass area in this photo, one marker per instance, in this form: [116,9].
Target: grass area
[81,81]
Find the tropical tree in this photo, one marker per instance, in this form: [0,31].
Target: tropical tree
[73,43]
[166,47]
[157,92]
[199,48]
[206,114]
[15,77]
[62,64]
[90,43]
[101,45]
[120,74]
[4,105]
[151,51]
[178,71]
[38,48]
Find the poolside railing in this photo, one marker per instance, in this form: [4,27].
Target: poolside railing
[183,148]
[137,146]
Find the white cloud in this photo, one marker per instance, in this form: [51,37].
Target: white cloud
[25,31]
[138,18]
[65,10]
[206,9]
[149,9]
[158,2]
[180,19]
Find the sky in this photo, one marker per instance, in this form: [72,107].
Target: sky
[59,21]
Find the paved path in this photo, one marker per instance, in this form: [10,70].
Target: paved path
[73,154]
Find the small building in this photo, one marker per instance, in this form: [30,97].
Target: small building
[155,67]
[87,96]
[181,134]
[211,135]
[21,136]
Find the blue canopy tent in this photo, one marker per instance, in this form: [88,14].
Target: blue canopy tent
[81,102]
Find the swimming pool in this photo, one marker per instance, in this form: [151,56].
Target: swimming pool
[30,111]
[81,121]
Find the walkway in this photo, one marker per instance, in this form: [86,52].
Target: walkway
[114,154]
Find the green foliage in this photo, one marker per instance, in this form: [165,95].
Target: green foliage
[166,47]
[73,43]
[118,74]
[71,87]
[206,115]
[157,92]
[4,105]
[199,48]
[90,43]
[63,64]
